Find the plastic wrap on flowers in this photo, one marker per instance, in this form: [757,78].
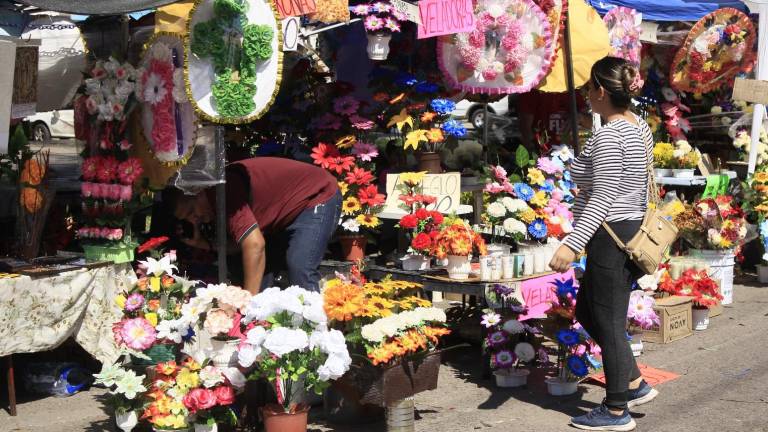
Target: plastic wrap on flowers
[510,50]
[717,48]
[167,118]
[624,33]
[233,63]
[200,171]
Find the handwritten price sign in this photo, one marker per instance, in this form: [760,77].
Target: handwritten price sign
[446,187]
[444,17]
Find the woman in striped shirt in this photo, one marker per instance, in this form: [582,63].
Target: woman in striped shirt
[611,174]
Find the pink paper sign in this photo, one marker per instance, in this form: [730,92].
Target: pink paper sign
[444,17]
[538,294]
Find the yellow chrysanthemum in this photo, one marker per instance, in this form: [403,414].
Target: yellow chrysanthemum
[761,177]
[186,379]
[351,205]
[527,215]
[536,177]
[368,220]
[540,199]
[412,178]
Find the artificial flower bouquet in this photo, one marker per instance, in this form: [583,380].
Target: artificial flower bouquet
[109,90]
[640,313]
[662,155]
[509,343]
[379,17]
[755,204]
[218,309]
[289,343]
[704,290]
[391,339]
[713,223]
[421,225]
[429,123]
[456,238]
[125,388]
[152,310]
[743,143]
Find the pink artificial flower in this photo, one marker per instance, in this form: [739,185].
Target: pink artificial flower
[113,192]
[500,173]
[126,192]
[361,123]
[105,144]
[494,188]
[361,10]
[129,171]
[86,189]
[391,25]
[557,195]
[490,74]
[171,255]
[82,232]
[477,39]
[580,350]
[125,145]
[509,188]
[117,234]
[98,73]
[107,169]
[373,23]
[117,332]
[101,190]
[90,167]
[138,334]
[217,322]
[548,166]
[381,7]
[91,105]
[104,232]
[117,109]
[346,105]
[134,302]
[365,151]
[121,73]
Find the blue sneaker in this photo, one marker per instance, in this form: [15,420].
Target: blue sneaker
[641,395]
[601,419]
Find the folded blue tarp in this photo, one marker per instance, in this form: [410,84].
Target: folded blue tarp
[668,10]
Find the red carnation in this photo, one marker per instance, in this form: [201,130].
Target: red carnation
[421,242]
[409,221]
[422,214]
[437,217]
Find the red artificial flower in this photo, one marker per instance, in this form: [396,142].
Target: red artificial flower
[422,214]
[359,176]
[421,242]
[152,243]
[380,97]
[225,395]
[409,221]
[90,167]
[437,217]
[322,154]
[341,164]
[129,171]
[370,196]
[426,199]
[107,170]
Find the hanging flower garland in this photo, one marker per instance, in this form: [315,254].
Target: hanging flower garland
[509,51]
[718,47]
[557,12]
[238,40]
[167,116]
[624,33]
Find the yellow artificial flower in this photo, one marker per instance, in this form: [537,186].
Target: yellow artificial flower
[540,199]
[412,178]
[761,177]
[176,407]
[368,220]
[332,284]
[152,318]
[186,379]
[346,142]
[171,422]
[400,120]
[414,138]
[154,284]
[343,188]
[527,215]
[120,301]
[351,205]
[536,177]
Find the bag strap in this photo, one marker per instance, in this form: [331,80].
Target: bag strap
[615,238]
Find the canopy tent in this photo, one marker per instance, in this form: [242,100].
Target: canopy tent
[96,7]
[668,10]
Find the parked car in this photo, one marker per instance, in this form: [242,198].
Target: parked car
[474,113]
[52,124]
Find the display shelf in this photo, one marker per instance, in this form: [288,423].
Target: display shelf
[693,181]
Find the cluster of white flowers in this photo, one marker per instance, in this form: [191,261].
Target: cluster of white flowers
[515,205]
[125,382]
[394,324]
[743,142]
[159,267]
[299,303]
[682,148]
[351,225]
[497,210]
[109,88]
[514,227]
[525,352]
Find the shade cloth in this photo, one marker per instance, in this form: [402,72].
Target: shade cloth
[40,314]
[96,7]
[668,10]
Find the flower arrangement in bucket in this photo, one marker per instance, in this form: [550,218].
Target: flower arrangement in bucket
[509,343]
[125,390]
[289,344]
[640,316]
[713,224]
[457,242]
[703,289]
[218,309]
[743,143]
[576,352]
[421,225]
[152,321]
[755,204]
[380,20]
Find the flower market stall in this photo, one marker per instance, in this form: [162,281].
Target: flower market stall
[430,207]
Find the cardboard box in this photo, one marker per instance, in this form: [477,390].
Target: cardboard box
[675,320]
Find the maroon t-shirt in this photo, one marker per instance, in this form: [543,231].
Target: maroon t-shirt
[270,193]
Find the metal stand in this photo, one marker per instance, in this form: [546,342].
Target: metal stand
[571,84]
[221,204]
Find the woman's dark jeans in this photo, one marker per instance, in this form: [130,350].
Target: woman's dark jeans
[300,247]
[602,303]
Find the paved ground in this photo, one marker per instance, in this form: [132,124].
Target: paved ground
[723,387]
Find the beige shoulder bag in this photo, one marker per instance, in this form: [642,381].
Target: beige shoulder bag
[647,248]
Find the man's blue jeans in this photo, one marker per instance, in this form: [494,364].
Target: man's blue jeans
[300,247]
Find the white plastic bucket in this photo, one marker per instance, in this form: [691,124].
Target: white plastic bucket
[511,378]
[700,318]
[721,264]
[415,262]
[560,387]
[459,267]
[762,274]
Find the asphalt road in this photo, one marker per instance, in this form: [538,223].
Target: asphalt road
[723,387]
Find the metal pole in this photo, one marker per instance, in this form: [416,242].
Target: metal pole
[568,60]
[762,74]
[221,208]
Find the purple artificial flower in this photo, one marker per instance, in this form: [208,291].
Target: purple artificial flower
[346,105]
[641,311]
[503,290]
[543,356]
[134,302]
[365,151]
[392,25]
[373,23]
[361,123]
[548,166]
[504,359]
[497,338]
[361,10]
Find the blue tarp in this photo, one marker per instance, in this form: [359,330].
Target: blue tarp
[668,10]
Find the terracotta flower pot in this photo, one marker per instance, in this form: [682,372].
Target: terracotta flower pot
[277,420]
[353,247]
[430,162]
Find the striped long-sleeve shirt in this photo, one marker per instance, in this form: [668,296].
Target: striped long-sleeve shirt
[611,174]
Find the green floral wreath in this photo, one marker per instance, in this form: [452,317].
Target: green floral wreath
[234,66]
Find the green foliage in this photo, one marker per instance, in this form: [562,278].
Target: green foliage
[18,153]
[522,157]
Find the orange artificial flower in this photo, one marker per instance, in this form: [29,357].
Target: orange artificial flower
[379,356]
[435,135]
[397,99]
[343,302]
[143,284]
[167,281]
[153,305]
[428,116]
[435,333]
[167,369]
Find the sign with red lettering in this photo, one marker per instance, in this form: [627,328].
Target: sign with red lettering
[444,17]
[288,8]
